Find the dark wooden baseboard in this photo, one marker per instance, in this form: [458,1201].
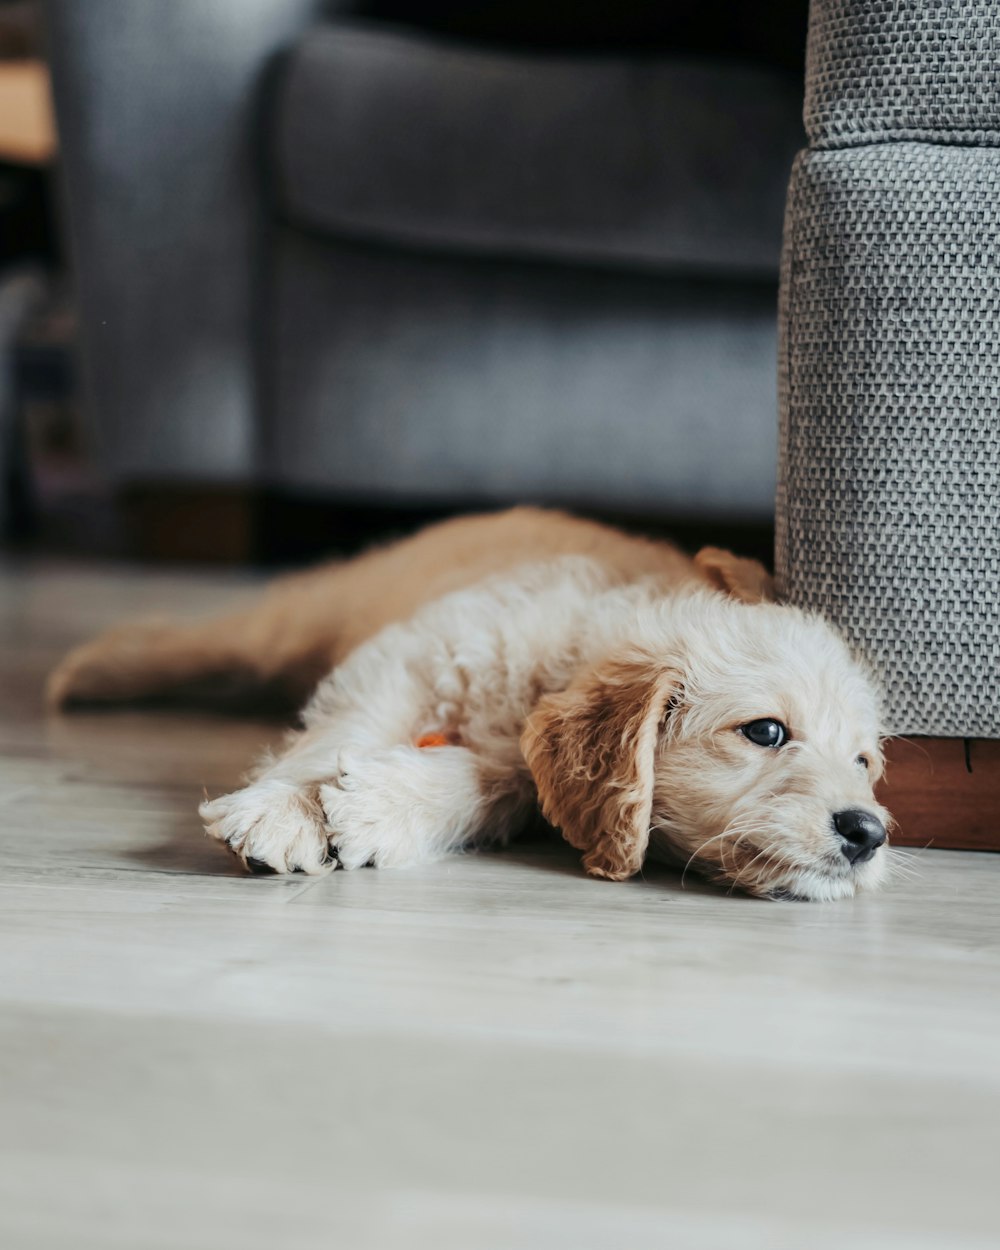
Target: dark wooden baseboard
[944,792]
[211,524]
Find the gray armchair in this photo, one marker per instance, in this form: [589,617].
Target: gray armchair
[889,506]
[320,251]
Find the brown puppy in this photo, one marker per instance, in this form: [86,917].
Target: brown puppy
[497,664]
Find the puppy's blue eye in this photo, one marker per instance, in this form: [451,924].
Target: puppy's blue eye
[765,733]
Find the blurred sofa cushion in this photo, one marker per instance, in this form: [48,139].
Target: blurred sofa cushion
[655,163]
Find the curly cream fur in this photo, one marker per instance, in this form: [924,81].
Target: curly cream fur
[599,677]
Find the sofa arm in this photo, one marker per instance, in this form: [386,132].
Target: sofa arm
[156,111]
[888,500]
[880,71]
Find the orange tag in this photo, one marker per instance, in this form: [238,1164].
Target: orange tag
[433,740]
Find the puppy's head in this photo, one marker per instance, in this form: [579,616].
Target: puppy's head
[744,735]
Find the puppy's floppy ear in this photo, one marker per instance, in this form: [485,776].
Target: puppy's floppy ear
[744,579]
[592,750]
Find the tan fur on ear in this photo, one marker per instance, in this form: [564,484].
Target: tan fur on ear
[591,750]
[744,579]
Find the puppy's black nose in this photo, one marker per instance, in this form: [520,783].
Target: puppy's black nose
[862,833]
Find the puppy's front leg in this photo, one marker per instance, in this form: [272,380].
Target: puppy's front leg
[276,821]
[407,805]
[352,788]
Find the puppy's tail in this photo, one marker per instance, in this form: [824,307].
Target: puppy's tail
[142,660]
[222,661]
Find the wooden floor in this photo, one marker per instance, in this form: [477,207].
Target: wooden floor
[490,1054]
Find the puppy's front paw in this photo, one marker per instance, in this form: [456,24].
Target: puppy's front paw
[353,837]
[370,817]
[271,826]
[365,821]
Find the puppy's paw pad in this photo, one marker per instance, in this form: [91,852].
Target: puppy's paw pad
[271,826]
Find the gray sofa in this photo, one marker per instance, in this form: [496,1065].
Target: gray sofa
[889,501]
[320,251]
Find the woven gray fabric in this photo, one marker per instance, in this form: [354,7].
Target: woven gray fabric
[903,69]
[889,497]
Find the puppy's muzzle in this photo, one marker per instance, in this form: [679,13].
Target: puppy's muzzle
[861,834]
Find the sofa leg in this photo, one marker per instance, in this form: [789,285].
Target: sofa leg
[944,792]
[191,524]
